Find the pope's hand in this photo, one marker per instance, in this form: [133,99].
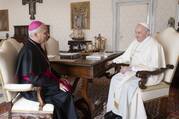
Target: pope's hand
[124,69]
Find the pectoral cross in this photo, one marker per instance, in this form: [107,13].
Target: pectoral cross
[32,7]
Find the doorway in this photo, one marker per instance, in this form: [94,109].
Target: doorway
[127,14]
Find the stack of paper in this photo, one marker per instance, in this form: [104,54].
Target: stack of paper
[93,57]
[98,56]
[69,55]
[51,56]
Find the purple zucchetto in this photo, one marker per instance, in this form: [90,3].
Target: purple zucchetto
[34,25]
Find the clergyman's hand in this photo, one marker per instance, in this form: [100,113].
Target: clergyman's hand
[65,85]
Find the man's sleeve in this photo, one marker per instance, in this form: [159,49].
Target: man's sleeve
[30,75]
[125,57]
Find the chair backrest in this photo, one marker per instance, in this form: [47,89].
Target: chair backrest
[1,42]
[16,44]
[8,58]
[169,39]
[52,46]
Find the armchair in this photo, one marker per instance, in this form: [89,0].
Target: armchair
[169,40]
[52,46]
[21,107]
[153,95]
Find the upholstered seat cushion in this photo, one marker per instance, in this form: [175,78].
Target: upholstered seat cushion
[152,92]
[24,105]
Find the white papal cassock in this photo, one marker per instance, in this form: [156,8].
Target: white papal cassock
[124,97]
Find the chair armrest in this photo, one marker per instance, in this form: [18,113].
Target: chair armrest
[18,87]
[145,74]
[117,68]
[25,88]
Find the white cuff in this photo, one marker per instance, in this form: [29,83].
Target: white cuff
[120,60]
[141,67]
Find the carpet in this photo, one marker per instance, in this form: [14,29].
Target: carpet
[98,91]
[168,108]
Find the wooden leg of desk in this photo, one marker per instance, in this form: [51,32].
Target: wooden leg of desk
[84,93]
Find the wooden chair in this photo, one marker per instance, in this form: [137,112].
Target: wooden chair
[21,107]
[153,95]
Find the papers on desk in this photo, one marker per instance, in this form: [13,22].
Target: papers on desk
[93,57]
[51,56]
[98,56]
[69,55]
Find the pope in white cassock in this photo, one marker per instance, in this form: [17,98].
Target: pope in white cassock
[144,53]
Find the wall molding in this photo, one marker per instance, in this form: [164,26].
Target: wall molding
[116,25]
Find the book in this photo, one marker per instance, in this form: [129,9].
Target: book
[98,56]
[69,55]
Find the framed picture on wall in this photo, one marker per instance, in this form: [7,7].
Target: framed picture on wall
[4,20]
[80,15]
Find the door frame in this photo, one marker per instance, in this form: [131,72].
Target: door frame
[116,25]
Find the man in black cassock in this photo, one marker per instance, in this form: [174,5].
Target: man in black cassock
[33,67]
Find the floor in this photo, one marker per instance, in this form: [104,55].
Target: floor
[101,96]
[98,90]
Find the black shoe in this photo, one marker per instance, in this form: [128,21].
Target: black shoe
[111,115]
[116,116]
[108,115]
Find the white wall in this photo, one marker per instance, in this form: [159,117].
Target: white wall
[56,13]
[164,10]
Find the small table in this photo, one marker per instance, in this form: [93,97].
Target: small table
[77,45]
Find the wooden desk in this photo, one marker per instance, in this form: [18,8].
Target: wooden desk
[85,69]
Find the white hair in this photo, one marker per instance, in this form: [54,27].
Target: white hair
[34,31]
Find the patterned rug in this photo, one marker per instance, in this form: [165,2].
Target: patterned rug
[168,107]
[98,91]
